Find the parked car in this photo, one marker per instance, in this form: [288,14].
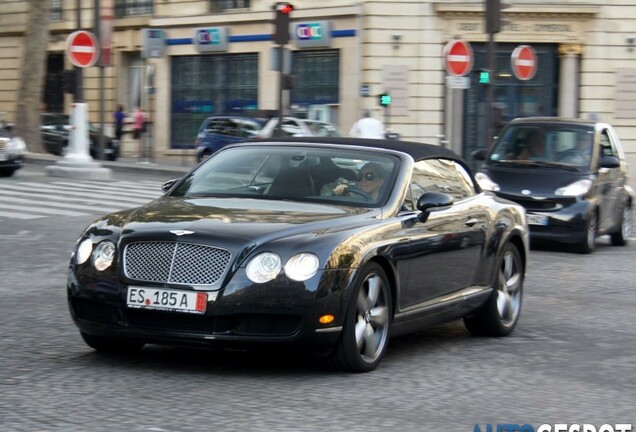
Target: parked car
[573,183]
[12,150]
[293,126]
[247,249]
[55,129]
[218,131]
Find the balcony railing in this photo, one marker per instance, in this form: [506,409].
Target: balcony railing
[228,5]
[56,11]
[129,8]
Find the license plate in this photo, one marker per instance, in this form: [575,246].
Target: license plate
[167,300]
[536,219]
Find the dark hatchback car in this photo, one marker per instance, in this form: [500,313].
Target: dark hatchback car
[256,246]
[218,131]
[55,128]
[569,174]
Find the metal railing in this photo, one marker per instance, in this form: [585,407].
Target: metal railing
[129,8]
[226,5]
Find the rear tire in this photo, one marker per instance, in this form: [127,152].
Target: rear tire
[365,334]
[499,315]
[108,345]
[621,237]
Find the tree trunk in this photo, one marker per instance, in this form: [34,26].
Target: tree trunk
[32,74]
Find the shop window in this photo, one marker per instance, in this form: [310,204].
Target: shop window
[205,85]
[128,8]
[227,5]
[56,11]
[317,77]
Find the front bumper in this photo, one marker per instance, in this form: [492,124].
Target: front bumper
[11,161]
[566,225]
[242,313]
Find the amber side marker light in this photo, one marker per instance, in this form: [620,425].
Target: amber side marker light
[326,319]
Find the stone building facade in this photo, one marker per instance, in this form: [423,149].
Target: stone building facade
[218,57]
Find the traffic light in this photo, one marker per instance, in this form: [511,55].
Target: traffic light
[288,81]
[384,99]
[493,16]
[484,76]
[281,22]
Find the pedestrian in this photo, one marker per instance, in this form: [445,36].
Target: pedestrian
[139,127]
[119,116]
[368,127]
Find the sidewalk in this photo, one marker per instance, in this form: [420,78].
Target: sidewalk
[164,166]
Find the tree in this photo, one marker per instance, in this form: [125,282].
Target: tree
[32,74]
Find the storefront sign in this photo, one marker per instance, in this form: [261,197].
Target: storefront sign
[212,39]
[395,81]
[625,98]
[153,43]
[542,28]
[312,34]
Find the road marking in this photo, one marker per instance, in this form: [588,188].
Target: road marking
[34,200]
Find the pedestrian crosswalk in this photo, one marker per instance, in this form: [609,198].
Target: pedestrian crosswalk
[36,200]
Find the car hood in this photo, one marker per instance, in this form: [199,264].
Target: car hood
[234,223]
[537,180]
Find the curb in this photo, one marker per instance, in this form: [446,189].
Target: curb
[122,165]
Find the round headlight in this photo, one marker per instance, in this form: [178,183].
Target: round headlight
[83,251]
[580,187]
[302,266]
[103,255]
[263,267]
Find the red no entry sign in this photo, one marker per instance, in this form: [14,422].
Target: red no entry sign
[82,48]
[458,58]
[524,62]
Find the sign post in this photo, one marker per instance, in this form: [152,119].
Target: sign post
[524,62]
[458,60]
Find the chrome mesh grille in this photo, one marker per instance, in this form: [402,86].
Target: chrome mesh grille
[176,263]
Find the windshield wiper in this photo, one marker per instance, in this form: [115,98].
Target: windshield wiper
[536,163]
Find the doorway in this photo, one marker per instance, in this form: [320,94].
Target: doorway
[513,97]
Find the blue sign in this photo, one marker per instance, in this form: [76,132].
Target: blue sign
[153,43]
[212,39]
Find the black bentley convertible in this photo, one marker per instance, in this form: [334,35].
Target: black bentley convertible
[335,243]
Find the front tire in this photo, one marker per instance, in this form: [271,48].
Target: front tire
[621,237]
[7,172]
[591,228]
[108,345]
[499,315]
[365,334]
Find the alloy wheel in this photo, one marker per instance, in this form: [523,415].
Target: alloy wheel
[372,318]
[509,288]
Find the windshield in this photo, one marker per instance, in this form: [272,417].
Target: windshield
[315,174]
[545,145]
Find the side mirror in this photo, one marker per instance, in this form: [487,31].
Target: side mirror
[432,200]
[167,185]
[480,154]
[609,162]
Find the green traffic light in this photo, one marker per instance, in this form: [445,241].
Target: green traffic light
[385,100]
[484,77]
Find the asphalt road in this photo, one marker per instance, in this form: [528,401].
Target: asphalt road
[570,360]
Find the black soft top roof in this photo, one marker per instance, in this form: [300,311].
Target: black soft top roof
[417,151]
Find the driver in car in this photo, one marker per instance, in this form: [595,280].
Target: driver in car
[370,181]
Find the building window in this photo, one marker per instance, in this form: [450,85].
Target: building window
[128,8]
[205,85]
[317,77]
[56,10]
[226,5]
